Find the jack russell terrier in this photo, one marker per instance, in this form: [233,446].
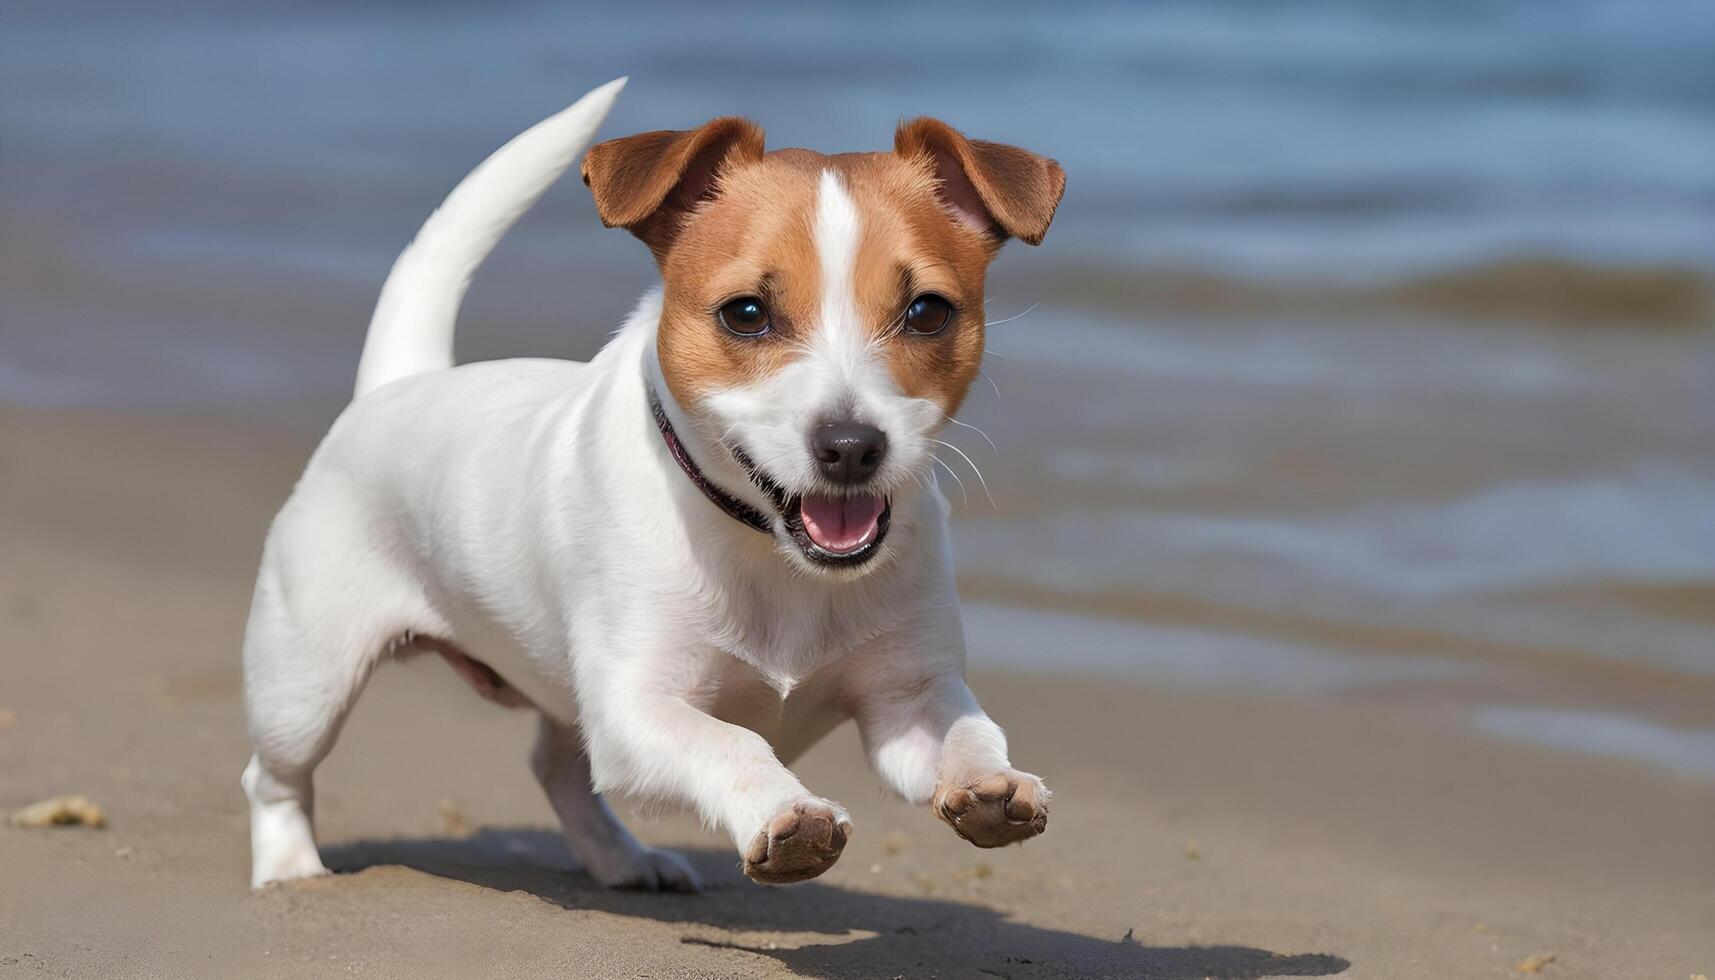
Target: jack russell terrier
[701,551]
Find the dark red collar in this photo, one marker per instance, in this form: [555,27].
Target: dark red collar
[735,508]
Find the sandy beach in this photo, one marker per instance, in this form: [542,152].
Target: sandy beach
[1195,832]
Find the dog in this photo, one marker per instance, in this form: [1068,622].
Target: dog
[701,551]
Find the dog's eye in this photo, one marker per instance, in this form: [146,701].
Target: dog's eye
[745,316]
[928,314]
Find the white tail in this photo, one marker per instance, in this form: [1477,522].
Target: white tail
[412,329]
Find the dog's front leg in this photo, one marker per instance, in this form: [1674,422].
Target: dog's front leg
[929,741]
[658,746]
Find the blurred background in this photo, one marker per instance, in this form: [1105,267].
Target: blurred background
[1369,360]
[1371,343]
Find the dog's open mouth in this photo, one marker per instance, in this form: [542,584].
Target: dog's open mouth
[843,530]
[837,530]
[841,525]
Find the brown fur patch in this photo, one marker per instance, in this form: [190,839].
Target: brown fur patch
[649,182]
[756,238]
[752,234]
[910,246]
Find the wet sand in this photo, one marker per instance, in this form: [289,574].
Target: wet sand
[1196,832]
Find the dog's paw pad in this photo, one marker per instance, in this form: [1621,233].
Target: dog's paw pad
[800,843]
[995,810]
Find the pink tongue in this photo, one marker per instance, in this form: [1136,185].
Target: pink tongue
[841,524]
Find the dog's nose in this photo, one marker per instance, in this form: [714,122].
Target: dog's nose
[848,452]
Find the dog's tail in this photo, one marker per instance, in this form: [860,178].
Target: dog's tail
[412,329]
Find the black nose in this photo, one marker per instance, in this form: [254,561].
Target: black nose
[848,452]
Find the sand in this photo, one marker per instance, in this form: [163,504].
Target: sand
[1194,833]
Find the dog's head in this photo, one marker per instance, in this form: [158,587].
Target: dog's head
[822,316]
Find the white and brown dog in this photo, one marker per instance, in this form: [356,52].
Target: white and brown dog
[698,553]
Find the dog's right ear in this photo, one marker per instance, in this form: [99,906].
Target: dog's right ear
[648,183]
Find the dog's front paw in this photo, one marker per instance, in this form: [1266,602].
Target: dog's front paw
[1001,808]
[798,844]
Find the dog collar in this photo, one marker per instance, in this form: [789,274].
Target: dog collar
[735,508]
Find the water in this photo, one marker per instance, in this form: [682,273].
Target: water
[1689,753]
[1194,658]
[1281,368]
[1286,139]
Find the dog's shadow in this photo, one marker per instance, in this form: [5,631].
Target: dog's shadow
[893,935]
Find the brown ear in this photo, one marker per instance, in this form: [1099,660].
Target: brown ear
[648,183]
[1001,189]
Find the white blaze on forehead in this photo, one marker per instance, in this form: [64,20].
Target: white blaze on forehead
[841,333]
[841,372]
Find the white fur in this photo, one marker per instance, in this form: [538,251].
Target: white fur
[412,328]
[528,513]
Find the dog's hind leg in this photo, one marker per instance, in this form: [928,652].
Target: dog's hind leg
[608,851]
[319,622]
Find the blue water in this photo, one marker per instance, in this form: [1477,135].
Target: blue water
[1286,139]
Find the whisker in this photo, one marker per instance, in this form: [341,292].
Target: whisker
[985,376]
[967,425]
[996,323]
[974,467]
[955,477]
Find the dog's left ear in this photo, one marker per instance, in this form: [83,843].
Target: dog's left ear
[993,187]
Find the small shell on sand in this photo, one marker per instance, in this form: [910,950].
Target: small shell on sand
[8,718]
[61,811]
[1534,963]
